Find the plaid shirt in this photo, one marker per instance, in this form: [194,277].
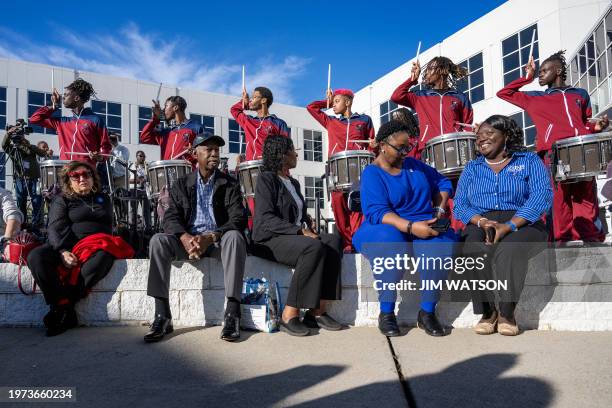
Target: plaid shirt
[204,218]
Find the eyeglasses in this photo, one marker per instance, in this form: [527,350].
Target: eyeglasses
[401,150]
[77,175]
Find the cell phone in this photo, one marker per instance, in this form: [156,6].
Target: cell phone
[441,225]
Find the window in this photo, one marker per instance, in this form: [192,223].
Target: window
[473,83]
[111,113]
[525,123]
[144,116]
[386,109]
[236,138]
[314,190]
[35,101]
[207,121]
[515,51]
[2,108]
[313,145]
[590,67]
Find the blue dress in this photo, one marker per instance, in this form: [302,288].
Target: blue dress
[407,194]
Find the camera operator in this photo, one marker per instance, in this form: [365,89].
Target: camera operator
[26,170]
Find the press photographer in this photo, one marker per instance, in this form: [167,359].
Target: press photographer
[26,170]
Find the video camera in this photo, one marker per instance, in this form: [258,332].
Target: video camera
[20,128]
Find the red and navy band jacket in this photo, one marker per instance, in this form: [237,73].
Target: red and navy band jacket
[174,142]
[82,133]
[341,131]
[557,113]
[438,112]
[257,130]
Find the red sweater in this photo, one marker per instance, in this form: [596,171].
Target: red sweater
[82,134]
[342,131]
[172,141]
[557,113]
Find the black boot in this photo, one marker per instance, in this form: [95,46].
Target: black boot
[429,322]
[231,327]
[60,319]
[387,324]
[159,328]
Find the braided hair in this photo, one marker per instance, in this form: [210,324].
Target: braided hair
[446,68]
[275,148]
[406,116]
[559,57]
[510,129]
[82,88]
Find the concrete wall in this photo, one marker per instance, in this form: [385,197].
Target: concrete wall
[566,289]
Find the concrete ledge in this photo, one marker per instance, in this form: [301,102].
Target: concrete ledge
[566,289]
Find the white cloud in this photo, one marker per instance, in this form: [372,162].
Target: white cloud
[136,55]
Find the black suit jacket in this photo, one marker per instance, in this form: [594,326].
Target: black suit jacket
[275,210]
[228,207]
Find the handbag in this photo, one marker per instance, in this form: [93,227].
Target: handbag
[261,305]
[16,252]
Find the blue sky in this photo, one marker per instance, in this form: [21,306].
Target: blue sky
[284,45]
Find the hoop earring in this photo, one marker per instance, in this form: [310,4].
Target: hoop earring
[94,189]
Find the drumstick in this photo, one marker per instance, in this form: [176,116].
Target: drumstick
[158,92]
[178,156]
[328,81]
[87,154]
[418,52]
[531,46]
[243,88]
[52,79]
[361,141]
[465,125]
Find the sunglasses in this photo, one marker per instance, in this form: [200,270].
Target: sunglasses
[77,175]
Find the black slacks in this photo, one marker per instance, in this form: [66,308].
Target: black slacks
[43,262]
[508,259]
[317,263]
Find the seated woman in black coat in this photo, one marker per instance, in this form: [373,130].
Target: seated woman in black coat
[77,216]
[282,231]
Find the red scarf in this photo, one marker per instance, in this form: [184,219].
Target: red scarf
[88,246]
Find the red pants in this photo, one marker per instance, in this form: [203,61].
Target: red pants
[347,221]
[575,212]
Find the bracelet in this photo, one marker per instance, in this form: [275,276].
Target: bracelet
[409,228]
[440,210]
[481,218]
[512,225]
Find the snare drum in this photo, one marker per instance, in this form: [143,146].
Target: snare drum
[450,152]
[344,169]
[581,157]
[164,173]
[50,173]
[247,174]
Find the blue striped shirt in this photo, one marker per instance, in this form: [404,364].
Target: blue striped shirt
[204,218]
[524,185]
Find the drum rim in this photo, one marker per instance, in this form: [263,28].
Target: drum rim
[351,153]
[450,136]
[54,163]
[250,164]
[168,163]
[578,140]
[585,174]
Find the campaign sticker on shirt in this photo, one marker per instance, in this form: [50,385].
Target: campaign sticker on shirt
[453,105]
[185,137]
[578,102]
[517,168]
[99,199]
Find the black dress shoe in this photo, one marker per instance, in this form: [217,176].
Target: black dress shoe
[429,322]
[387,324]
[231,327]
[60,320]
[294,327]
[324,321]
[160,327]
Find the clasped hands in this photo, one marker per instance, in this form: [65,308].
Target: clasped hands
[494,231]
[196,245]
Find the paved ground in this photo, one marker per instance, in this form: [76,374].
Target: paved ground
[111,367]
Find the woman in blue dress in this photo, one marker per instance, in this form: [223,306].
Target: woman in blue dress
[401,199]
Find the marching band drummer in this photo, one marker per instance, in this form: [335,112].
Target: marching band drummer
[440,106]
[342,131]
[84,132]
[560,112]
[174,142]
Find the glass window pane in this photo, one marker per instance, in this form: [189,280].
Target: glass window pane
[36,98]
[307,134]
[574,70]
[518,118]
[512,76]
[510,44]
[142,123]
[2,110]
[317,135]
[602,68]
[511,62]
[526,35]
[476,62]
[307,144]
[609,28]
[32,109]
[392,106]
[525,54]
[600,42]
[114,109]
[98,107]
[384,108]
[2,94]
[209,121]
[476,78]
[477,94]
[144,112]
[233,125]
[462,84]
[530,136]
[2,122]
[195,117]
[113,122]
